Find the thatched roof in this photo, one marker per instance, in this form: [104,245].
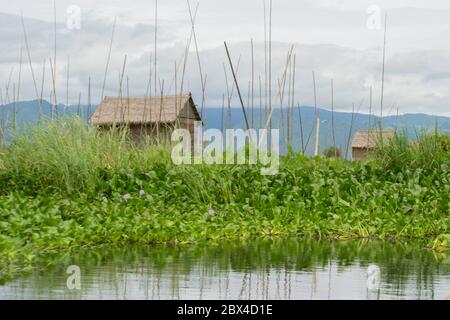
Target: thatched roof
[139,110]
[362,139]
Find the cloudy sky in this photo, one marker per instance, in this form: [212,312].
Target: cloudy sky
[335,39]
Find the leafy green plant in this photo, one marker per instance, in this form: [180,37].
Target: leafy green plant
[64,185]
[441,243]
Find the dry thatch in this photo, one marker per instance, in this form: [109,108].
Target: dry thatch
[364,140]
[144,110]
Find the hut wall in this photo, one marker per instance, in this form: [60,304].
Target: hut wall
[188,124]
[359,153]
[162,132]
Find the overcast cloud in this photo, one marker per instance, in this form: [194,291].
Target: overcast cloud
[330,37]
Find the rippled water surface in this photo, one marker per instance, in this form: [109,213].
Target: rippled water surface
[256,269]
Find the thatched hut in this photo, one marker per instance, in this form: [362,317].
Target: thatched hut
[364,142]
[152,116]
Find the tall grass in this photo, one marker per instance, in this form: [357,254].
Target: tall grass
[427,151]
[67,155]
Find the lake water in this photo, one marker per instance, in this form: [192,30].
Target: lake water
[256,269]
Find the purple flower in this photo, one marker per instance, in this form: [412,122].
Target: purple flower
[211,212]
[141,193]
[126,196]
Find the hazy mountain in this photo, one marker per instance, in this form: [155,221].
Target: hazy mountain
[27,112]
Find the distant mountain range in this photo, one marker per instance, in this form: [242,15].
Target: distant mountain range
[28,113]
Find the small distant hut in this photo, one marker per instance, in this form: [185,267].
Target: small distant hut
[152,116]
[364,142]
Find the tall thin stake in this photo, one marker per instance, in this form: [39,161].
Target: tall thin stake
[382,76]
[54,57]
[223,108]
[260,103]
[89,100]
[265,62]
[108,59]
[156,45]
[237,87]
[203,83]
[42,90]
[67,85]
[29,56]
[270,61]
[253,83]
[292,101]
[332,119]
[350,131]
[301,128]
[370,116]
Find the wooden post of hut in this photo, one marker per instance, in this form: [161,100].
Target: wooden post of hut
[155,117]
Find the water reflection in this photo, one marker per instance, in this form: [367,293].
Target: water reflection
[256,269]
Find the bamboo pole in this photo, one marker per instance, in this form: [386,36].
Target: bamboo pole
[8,85]
[316,149]
[156,45]
[14,122]
[17,99]
[52,96]
[221,118]
[293,101]
[230,92]
[198,59]
[265,63]
[67,85]
[253,83]
[301,128]
[54,72]
[237,88]
[370,116]
[270,62]
[79,106]
[89,100]
[29,55]
[332,119]
[350,131]
[108,59]
[148,90]
[269,118]
[186,53]
[316,152]
[288,104]
[42,90]
[260,103]
[382,78]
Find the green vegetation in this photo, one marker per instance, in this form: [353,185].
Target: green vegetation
[426,152]
[441,243]
[64,186]
[332,152]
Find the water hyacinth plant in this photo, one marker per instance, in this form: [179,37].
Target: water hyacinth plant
[54,182]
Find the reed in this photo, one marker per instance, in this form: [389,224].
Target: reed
[65,154]
[426,151]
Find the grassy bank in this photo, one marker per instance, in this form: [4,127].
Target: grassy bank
[63,186]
